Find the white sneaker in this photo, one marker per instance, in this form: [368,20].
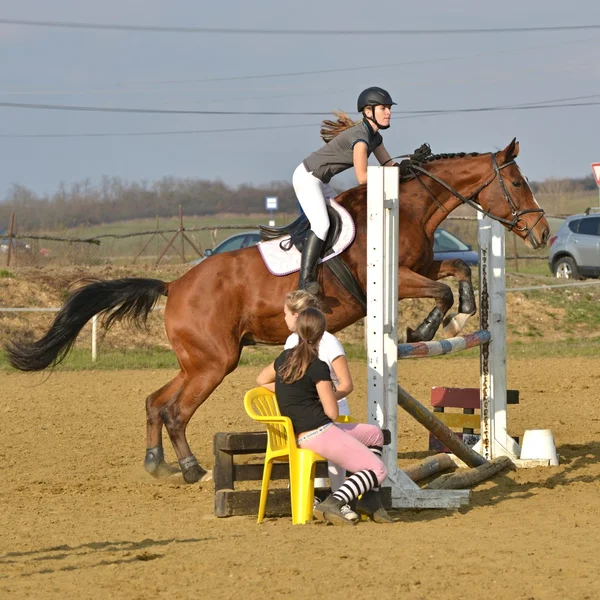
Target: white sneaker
[349,513]
[316,500]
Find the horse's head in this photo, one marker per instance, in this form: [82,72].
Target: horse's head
[509,197]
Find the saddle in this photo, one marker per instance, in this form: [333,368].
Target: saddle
[297,231]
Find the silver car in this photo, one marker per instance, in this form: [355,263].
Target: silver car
[575,249]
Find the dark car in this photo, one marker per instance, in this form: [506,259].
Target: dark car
[17,245]
[235,242]
[445,246]
[448,247]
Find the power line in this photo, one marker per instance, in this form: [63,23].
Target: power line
[262,31]
[558,103]
[151,133]
[155,111]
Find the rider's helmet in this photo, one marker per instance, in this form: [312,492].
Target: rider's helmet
[373,97]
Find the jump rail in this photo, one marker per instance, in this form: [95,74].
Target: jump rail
[455,344]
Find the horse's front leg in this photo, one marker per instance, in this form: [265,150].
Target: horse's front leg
[413,285]
[455,322]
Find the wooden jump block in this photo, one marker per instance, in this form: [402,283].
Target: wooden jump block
[228,500]
[458,420]
[469,400]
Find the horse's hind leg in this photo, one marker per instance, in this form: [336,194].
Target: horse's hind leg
[454,322]
[154,462]
[177,413]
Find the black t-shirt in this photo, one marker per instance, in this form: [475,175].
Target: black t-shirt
[300,400]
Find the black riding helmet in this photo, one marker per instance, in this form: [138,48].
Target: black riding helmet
[374,96]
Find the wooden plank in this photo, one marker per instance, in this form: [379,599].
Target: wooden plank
[254,472]
[464,397]
[255,442]
[249,442]
[229,503]
[455,397]
[223,470]
[459,420]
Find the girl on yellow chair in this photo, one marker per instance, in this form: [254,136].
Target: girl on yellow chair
[305,394]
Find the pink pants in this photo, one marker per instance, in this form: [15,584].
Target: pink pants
[345,444]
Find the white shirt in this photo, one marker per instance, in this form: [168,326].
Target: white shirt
[329,349]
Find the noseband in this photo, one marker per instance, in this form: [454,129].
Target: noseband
[470,200]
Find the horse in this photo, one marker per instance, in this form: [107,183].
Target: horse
[231,300]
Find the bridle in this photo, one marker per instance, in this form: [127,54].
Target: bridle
[470,200]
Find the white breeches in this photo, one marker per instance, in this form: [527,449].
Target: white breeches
[311,194]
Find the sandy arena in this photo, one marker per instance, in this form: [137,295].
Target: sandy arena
[80,518]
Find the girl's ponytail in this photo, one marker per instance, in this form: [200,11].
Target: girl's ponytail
[330,129]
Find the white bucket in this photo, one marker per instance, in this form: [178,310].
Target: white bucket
[539,444]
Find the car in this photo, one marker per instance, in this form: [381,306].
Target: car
[17,245]
[234,242]
[575,249]
[448,247]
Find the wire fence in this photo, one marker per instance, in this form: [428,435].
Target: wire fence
[181,244]
[94,320]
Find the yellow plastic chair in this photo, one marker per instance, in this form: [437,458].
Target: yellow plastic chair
[261,405]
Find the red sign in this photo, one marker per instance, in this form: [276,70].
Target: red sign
[596,170]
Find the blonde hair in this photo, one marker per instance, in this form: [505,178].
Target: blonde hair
[298,300]
[330,129]
[310,328]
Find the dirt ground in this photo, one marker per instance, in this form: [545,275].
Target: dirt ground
[80,518]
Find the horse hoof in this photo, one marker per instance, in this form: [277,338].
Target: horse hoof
[154,458]
[193,474]
[191,470]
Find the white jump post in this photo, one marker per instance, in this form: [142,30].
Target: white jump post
[382,337]
[495,440]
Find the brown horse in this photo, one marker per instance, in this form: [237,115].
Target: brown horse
[231,300]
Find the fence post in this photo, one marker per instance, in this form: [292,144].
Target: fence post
[94,335]
[10,238]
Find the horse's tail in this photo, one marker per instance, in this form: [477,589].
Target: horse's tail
[130,299]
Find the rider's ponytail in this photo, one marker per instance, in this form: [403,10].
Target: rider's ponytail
[330,129]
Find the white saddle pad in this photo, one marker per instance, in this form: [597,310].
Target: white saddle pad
[283,262]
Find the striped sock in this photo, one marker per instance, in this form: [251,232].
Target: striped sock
[377,451]
[356,485]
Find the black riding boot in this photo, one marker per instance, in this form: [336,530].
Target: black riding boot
[311,251]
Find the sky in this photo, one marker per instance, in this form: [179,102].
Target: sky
[271,73]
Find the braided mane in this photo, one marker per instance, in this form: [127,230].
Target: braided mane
[450,155]
[423,155]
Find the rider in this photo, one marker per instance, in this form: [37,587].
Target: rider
[347,144]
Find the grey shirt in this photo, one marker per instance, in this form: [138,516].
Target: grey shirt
[337,155]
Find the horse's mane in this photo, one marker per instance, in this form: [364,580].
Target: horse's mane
[450,155]
[423,156]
